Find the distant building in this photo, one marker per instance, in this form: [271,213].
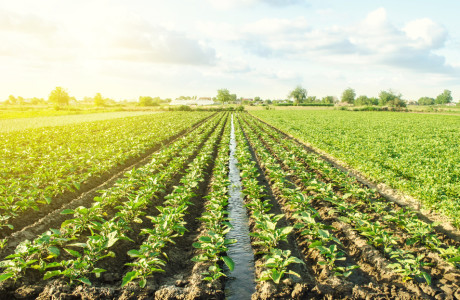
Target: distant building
[200,101]
[205,101]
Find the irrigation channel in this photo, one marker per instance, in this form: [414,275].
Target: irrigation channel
[240,283]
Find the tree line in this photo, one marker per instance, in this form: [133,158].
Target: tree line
[385,98]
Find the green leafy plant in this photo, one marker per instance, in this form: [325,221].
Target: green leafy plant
[277,263]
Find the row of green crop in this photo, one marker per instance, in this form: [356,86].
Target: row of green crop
[170,223]
[418,154]
[212,243]
[39,164]
[367,200]
[362,199]
[308,223]
[267,232]
[129,198]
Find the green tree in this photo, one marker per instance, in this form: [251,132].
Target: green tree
[21,100]
[444,98]
[257,99]
[348,96]
[12,99]
[99,100]
[373,101]
[328,100]
[299,95]
[311,99]
[147,101]
[388,97]
[233,97]
[59,96]
[223,95]
[397,102]
[425,101]
[362,100]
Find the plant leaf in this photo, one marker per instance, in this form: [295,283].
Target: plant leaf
[128,278]
[229,262]
[50,274]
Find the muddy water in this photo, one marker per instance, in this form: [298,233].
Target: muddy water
[240,283]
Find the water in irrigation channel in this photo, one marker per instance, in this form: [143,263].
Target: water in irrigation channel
[240,283]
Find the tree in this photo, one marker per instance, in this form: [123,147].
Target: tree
[233,98]
[299,95]
[425,101]
[397,102]
[59,96]
[257,99]
[362,100]
[374,101]
[311,99]
[21,100]
[328,100]
[147,101]
[223,95]
[444,98]
[12,99]
[98,100]
[388,97]
[348,96]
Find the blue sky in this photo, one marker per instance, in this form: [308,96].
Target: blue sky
[124,49]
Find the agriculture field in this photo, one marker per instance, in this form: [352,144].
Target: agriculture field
[22,123]
[417,154]
[39,164]
[159,230]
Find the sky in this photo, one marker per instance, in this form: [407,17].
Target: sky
[124,49]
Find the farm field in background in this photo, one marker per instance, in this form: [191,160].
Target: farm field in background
[22,123]
[39,163]
[137,207]
[417,154]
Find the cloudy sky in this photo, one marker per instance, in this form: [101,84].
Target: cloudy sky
[167,48]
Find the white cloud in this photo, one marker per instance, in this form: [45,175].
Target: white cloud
[220,31]
[25,24]
[234,65]
[118,37]
[374,40]
[426,33]
[273,28]
[231,4]
[376,19]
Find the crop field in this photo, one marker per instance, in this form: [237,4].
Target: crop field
[21,123]
[138,208]
[417,154]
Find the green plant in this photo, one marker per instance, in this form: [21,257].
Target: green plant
[344,271]
[277,262]
[268,235]
[331,254]
[410,266]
